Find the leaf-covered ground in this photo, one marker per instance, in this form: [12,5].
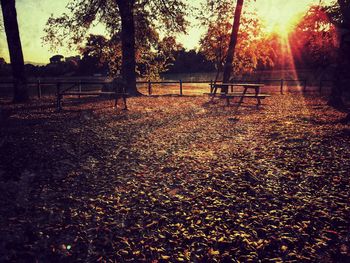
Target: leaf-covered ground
[175,180]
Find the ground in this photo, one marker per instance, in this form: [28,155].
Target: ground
[175,179]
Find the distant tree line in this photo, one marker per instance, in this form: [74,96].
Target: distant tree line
[92,64]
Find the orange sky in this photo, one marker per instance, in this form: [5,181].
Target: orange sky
[33,14]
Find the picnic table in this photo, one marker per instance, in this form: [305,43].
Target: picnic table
[224,87]
[117,92]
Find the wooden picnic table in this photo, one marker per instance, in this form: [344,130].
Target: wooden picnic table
[117,92]
[224,87]
[243,94]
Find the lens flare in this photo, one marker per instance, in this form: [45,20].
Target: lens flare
[279,18]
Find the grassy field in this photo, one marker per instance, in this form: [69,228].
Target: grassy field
[200,88]
[189,89]
[175,179]
[157,89]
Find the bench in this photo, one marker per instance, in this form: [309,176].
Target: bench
[118,92]
[242,95]
[114,95]
[224,87]
[229,96]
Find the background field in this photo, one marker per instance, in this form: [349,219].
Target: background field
[272,80]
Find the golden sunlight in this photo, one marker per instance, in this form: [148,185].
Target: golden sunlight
[281,16]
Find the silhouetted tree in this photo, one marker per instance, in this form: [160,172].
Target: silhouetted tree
[340,15]
[233,42]
[152,63]
[120,17]
[189,61]
[56,59]
[100,55]
[15,49]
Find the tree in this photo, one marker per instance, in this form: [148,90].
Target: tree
[233,42]
[153,62]
[126,12]
[253,49]
[340,15]
[217,22]
[189,61]
[153,57]
[214,44]
[15,49]
[314,40]
[120,17]
[101,55]
[56,59]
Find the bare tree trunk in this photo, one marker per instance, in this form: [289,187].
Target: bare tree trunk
[128,71]
[217,74]
[233,41]
[335,98]
[341,77]
[15,49]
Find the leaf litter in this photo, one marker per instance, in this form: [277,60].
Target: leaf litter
[173,180]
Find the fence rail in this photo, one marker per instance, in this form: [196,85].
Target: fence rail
[40,83]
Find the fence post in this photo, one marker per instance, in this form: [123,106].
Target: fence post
[149,87]
[58,94]
[79,88]
[282,80]
[320,88]
[39,89]
[180,87]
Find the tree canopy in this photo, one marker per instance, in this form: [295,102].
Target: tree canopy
[138,23]
[253,48]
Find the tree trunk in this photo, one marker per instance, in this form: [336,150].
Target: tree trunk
[15,49]
[346,120]
[128,70]
[341,77]
[335,98]
[217,74]
[233,41]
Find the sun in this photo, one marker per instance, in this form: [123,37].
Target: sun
[281,16]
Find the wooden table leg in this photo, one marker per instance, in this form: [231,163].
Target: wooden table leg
[257,92]
[215,89]
[242,98]
[125,105]
[259,102]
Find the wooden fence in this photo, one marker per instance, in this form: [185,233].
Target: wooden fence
[40,84]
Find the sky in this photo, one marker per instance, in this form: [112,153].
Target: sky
[33,14]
